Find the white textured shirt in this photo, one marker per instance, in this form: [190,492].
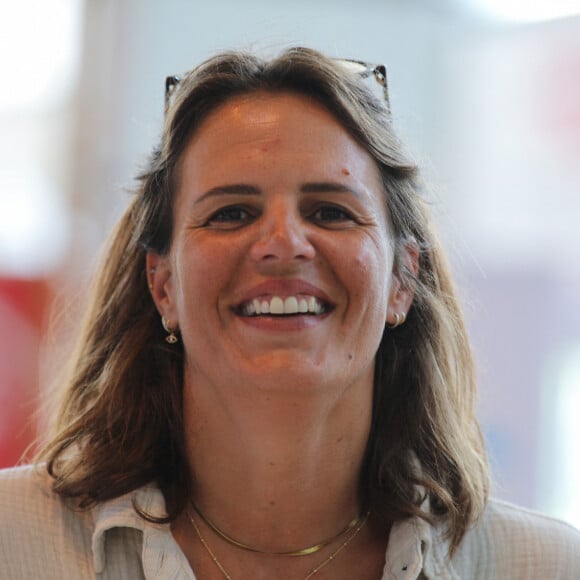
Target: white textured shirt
[41,537]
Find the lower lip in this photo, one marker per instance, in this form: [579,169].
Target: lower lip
[283,323]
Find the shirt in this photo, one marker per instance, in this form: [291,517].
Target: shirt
[41,536]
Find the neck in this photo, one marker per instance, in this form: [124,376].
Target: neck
[278,470]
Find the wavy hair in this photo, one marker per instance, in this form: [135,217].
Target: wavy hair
[120,424]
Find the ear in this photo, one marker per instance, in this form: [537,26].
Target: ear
[401,293]
[160,281]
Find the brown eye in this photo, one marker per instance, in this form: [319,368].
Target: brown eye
[233,215]
[331,213]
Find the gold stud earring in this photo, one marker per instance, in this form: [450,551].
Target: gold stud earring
[397,322]
[399,319]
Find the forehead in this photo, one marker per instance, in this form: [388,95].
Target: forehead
[264,121]
[263,110]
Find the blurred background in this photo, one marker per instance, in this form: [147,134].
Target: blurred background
[485,92]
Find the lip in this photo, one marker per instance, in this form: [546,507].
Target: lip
[282,323]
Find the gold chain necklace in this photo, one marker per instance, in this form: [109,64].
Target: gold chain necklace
[302,552]
[362,521]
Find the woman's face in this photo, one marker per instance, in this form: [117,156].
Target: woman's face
[279,274]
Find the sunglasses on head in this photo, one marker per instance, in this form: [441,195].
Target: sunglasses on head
[377,73]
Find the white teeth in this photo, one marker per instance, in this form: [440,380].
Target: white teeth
[289,305]
[315,306]
[276,305]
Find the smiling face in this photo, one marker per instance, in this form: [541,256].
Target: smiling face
[279,274]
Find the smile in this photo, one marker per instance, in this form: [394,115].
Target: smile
[278,306]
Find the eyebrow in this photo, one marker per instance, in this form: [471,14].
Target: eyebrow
[233,189]
[328,187]
[245,189]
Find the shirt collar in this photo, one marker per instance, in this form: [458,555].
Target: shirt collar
[120,513]
[416,547]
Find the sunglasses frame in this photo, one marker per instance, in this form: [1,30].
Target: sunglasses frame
[377,71]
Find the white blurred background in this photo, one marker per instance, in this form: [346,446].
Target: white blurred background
[486,93]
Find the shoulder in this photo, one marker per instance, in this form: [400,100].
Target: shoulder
[25,493]
[528,529]
[513,542]
[26,498]
[40,533]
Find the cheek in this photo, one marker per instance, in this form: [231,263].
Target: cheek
[204,272]
[370,271]
[193,276]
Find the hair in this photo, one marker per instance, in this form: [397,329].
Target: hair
[120,424]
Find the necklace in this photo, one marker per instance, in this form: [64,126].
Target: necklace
[362,521]
[302,552]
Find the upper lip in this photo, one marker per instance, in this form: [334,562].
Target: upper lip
[283,288]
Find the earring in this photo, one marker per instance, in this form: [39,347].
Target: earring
[397,322]
[171,338]
[399,319]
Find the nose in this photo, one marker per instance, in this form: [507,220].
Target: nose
[282,237]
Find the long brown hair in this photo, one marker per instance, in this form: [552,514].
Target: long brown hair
[120,422]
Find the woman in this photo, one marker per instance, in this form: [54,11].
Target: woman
[274,379]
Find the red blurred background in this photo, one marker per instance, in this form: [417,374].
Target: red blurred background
[23,312]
